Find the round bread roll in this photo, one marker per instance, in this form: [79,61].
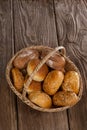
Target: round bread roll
[41,74]
[34,86]
[53,81]
[71,82]
[41,99]
[18,79]
[22,59]
[65,98]
[55,61]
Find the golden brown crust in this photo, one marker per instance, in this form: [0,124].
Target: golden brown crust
[41,99]
[53,81]
[18,79]
[65,98]
[71,82]
[41,74]
[22,59]
[34,86]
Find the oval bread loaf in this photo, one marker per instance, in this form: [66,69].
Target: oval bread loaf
[56,61]
[22,59]
[18,79]
[41,99]
[53,81]
[65,98]
[71,82]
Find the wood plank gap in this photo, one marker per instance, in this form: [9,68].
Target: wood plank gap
[16,104]
[68,119]
[13,37]
[55,17]
[13,52]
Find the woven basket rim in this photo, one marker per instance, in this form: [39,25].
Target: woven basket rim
[27,101]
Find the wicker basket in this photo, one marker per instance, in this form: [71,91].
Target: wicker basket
[69,66]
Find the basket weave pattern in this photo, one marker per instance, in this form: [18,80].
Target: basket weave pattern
[69,66]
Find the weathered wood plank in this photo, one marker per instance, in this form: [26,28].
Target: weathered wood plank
[7,98]
[72,32]
[35,25]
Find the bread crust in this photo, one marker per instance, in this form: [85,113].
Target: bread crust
[41,99]
[41,74]
[65,98]
[18,79]
[71,82]
[53,82]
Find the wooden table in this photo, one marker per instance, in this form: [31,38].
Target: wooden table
[42,22]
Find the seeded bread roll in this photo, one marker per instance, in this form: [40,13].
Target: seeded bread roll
[65,98]
[41,99]
[41,74]
[71,82]
[53,81]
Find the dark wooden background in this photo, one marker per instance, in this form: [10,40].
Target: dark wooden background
[42,22]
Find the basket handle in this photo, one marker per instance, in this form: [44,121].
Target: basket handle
[63,51]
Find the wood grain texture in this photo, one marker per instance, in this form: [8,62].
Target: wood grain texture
[7,98]
[34,24]
[71,24]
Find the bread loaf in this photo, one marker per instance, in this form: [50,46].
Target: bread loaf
[41,74]
[53,81]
